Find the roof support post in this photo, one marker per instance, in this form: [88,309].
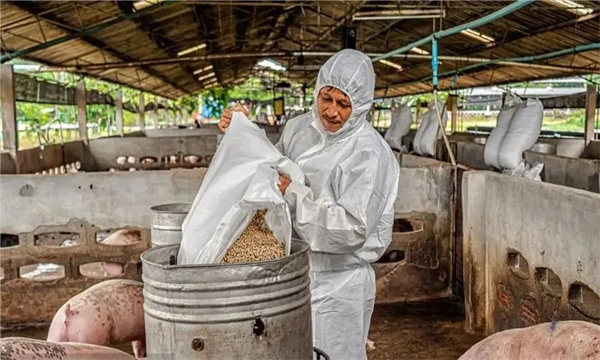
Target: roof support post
[453,105]
[10,131]
[142,112]
[590,112]
[81,111]
[119,113]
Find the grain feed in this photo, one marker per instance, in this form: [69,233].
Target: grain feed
[257,243]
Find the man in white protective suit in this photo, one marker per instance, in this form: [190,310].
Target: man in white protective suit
[346,211]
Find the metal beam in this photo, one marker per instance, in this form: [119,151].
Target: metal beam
[517,62]
[540,30]
[78,34]
[285,19]
[524,59]
[26,6]
[160,40]
[457,29]
[537,31]
[338,24]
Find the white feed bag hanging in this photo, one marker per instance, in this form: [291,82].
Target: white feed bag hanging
[430,133]
[401,121]
[419,134]
[492,145]
[241,179]
[522,133]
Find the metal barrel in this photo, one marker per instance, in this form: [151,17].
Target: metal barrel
[245,311]
[166,223]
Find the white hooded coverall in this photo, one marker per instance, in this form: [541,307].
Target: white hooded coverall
[346,212]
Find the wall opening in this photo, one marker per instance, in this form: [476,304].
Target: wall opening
[57,239]
[392,256]
[118,237]
[9,240]
[171,159]
[42,272]
[148,160]
[518,264]
[101,270]
[1,273]
[192,159]
[402,225]
[122,160]
[548,282]
[585,300]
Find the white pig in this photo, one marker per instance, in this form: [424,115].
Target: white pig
[564,340]
[16,348]
[109,312]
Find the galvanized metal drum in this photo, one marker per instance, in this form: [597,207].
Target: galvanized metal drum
[251,311]
[166,223]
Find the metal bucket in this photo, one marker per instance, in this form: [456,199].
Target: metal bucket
[246,311]
[166,223]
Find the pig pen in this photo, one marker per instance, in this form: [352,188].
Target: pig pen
[567,162]
[103,201]
[130,153]
[422,266]
[52,225]
[531,252]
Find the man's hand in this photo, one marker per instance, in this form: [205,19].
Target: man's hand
[283,183]
[228,113]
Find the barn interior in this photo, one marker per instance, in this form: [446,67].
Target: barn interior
[478,249]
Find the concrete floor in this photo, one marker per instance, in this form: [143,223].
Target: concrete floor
[428,331]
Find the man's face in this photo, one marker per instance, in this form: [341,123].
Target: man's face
[334,108]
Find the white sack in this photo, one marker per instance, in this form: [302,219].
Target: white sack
[430,125]
[522,133]
[416,145]
[492,145]
[524,170]
[241,179]
[401,121]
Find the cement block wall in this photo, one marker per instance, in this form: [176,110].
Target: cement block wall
[530,251]
[105,151]
[592,151]
[107,200]
[581,174]
[7,164]
[574,172]
[82,204]
[205,130]
[45,158]
[425,194]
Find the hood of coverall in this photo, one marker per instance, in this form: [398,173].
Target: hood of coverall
[350,71]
